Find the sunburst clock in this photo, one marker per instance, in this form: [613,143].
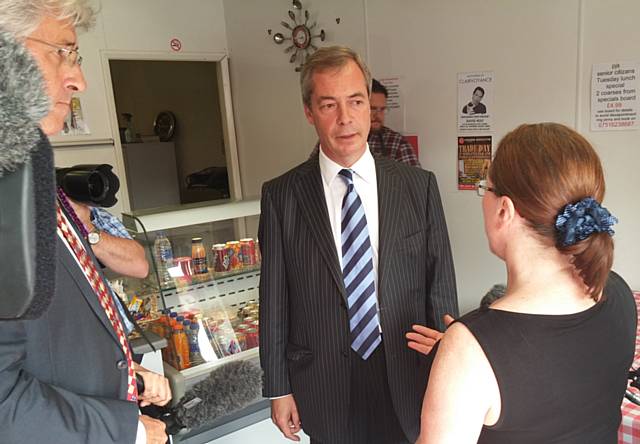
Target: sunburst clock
[300,37]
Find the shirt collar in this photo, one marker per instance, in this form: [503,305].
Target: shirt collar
[365,167]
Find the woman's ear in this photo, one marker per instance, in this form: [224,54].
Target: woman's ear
[506,211]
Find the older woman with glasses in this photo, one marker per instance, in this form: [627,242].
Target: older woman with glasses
[548,361]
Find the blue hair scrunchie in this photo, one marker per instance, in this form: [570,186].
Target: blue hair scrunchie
[578,221]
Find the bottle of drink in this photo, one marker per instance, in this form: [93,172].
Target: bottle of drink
[168,353]
[198,256]
[181,346]
[195,356]
[164,259]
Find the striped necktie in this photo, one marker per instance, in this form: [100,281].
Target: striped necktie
[97,284]
[358,273]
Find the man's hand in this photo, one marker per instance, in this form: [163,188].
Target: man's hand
[154,428]
[284,414]
[156,387]
[422,339]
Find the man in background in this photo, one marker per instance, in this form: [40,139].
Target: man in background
[383,141]
[68,376]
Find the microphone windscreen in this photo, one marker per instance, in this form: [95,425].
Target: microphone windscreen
[227,389]
[28,236]
[27,192]
[23,103]
[44,187]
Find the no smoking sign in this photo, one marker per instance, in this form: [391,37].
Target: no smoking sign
[175,44]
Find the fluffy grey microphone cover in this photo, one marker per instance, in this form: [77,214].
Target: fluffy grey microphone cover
[23,103]
[227,389]
[23,146]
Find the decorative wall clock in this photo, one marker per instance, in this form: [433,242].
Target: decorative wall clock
[299,35]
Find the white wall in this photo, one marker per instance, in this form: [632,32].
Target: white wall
[126,26]
[273,134]
[533,47]
[611,34]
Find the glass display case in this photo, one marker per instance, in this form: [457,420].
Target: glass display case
[201,294]
[218,295]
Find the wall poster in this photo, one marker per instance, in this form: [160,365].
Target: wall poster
[75,124]
[614,96]
[475,101]
[474,160]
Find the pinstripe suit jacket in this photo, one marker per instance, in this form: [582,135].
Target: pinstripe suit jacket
[304,328]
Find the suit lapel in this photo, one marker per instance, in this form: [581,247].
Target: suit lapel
[73,268]
[389,197]
[310,196]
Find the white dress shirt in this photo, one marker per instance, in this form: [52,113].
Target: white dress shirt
[366,185]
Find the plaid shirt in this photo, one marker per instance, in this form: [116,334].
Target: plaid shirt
[391,145]
[388,144]
[107,222]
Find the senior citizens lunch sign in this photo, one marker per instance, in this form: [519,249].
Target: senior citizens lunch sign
[615,103]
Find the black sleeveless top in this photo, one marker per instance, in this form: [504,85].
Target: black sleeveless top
[561,377]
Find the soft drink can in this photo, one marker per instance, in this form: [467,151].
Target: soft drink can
[248,249]
[220,258]
[235,255]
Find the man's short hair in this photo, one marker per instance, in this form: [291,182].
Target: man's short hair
[479,88]
[379,88]
[329,58]
[21,17]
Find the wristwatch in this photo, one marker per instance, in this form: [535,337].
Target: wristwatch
[93,237]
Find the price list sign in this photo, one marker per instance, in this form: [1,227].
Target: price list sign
[615,103]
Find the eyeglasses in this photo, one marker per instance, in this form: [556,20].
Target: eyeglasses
[70,56]
[375,109]
[482,188]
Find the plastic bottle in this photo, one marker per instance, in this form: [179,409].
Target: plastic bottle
[168,353]
[128,132]
[194,349]
[181,346]
[164,259]
[198,256]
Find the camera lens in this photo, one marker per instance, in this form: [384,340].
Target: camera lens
[94,185]
[98,186]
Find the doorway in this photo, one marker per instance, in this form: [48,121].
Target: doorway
[176,146]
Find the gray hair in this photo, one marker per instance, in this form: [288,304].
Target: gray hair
[332,57]
[22,17]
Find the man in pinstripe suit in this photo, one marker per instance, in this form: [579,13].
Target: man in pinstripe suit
[322,372]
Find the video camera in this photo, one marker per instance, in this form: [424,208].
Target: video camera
[94,185]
